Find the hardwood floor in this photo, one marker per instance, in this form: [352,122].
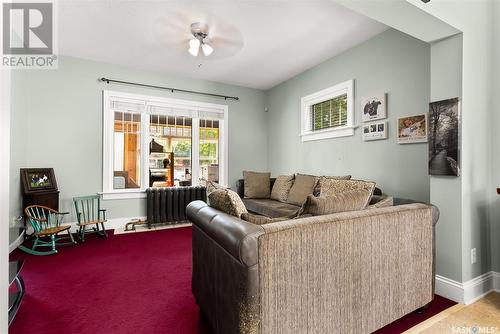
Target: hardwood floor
[482,316]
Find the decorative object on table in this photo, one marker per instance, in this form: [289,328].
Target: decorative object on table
[444,119]
[89,214]
[47,224]
[412,129]
[375,131]
[15,297]
[38,179]
[374,107]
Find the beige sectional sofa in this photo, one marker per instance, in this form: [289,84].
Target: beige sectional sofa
[349,272]
[275,209]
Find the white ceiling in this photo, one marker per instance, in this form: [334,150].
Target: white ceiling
[272,41]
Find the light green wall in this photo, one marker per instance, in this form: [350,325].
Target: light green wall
[446,82]
[391,62]
[57,122]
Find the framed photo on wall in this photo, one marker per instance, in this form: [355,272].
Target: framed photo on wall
[412,129]
[374,107]
[375,131]
[38,179]
[444,138]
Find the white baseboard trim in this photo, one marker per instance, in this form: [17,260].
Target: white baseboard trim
[470,291]
[111,224]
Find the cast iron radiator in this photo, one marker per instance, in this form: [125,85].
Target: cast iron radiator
[168,205]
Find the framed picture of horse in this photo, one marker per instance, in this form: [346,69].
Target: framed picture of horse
[374,107]
[38,179]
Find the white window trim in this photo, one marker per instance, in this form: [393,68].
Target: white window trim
[107,158]
[324,95]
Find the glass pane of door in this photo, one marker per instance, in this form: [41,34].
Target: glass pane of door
[209,150]
[127,150]
[170,147]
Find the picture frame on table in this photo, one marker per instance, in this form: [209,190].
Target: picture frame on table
[38,179]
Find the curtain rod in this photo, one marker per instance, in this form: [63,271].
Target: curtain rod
[107,80]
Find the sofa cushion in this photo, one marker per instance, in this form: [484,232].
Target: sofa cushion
[331,187]
[227,201]
[302,186]
[317,187]
[257,185]
[379,201]
[346,201]
[211,186]
[281,187]
[259,219]
[271,208]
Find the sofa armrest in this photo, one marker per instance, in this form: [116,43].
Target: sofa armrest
[238,237]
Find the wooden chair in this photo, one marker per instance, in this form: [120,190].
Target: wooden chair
[89,214]
[47,224]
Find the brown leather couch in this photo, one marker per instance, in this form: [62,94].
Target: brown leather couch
[350,272]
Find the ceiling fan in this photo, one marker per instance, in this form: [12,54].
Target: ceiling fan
[200,32]
[215,36]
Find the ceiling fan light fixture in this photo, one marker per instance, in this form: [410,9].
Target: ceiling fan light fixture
[194,43]
[207,49]
[194,51]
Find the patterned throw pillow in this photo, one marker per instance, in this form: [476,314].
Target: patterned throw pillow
[330,187]
[211,186]
[281,187]
[260,220]
[227,201]
[317,187]
[346,201]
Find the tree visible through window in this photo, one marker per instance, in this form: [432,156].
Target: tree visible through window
[329,114]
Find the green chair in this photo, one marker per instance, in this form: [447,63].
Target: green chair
[89,214]
[47,224]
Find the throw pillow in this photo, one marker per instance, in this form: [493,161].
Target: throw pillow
[302,186]
[211,186]
[346,201]
[281,187]
[382,203]
[227,201]
[330,187]
[317,187]
[257,185]
[260,220]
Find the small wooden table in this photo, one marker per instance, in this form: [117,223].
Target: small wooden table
[15,297]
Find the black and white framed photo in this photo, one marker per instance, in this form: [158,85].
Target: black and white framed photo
[374,107]
[444,143]
[375,131]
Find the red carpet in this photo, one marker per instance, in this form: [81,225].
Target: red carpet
[133,283]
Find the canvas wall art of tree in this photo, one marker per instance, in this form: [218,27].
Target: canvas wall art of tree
[444,145]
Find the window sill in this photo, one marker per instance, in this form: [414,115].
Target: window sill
[326,134]
[124,194]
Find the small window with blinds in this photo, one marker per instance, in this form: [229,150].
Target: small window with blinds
[328,113]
